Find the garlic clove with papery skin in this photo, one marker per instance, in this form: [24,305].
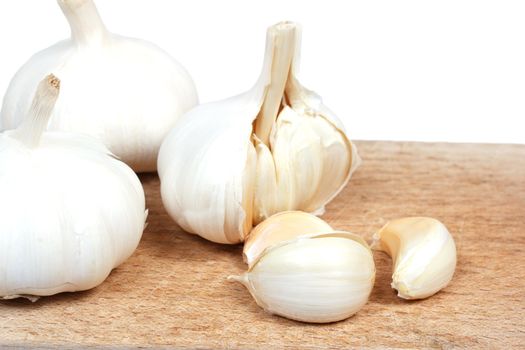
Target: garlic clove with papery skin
[228,165]
[127,92]
[71,212]
[423,252]
[308,276]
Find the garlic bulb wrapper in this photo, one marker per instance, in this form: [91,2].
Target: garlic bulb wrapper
[228,165]
[71,212]
[126,92]
[313,277]
[423,252]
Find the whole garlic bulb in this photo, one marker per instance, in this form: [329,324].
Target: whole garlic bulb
[229,165]
[302,269]
[423,252]
[71,212]
[126,92]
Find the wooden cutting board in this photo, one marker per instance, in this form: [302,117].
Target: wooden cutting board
[173,291]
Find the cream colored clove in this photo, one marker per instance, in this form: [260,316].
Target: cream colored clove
[423,253]
[302,269]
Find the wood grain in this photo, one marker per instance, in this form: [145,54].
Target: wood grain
[173,291]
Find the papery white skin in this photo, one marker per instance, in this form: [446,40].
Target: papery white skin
[127,92]
[315,280]
[71,212]
[220,175]
[423,252]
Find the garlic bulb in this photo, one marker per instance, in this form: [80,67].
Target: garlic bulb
[302,269]
[70,211]
[126,92]
[229,165]
[423,252]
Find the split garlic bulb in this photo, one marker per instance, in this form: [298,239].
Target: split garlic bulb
[423,252]
[302,269]
[126,92]
[71,212]
[229,165]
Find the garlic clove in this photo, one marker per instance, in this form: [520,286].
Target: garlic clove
[316,279]
[302,269]
[229,165]
[144,91]
[279,228]
[71,211]
[423,252]
[312,145]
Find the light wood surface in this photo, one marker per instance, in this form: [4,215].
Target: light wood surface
[173,291]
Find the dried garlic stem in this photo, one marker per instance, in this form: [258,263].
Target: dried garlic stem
[30,131]
[283,41]
[86,25]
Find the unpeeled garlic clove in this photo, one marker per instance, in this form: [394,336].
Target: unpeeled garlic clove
[299,272]
[228,165]
[281,227]
[423,253]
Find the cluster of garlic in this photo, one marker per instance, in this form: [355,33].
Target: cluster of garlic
[71,212]
[253,168]
[126,92]
[229,165]
[264,155]
[301,268]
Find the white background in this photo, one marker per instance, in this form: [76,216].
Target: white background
[392,70]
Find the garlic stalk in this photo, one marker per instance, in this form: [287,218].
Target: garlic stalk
[423,252]
[228,165]
[302,269]
[71,212]
[126,92]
